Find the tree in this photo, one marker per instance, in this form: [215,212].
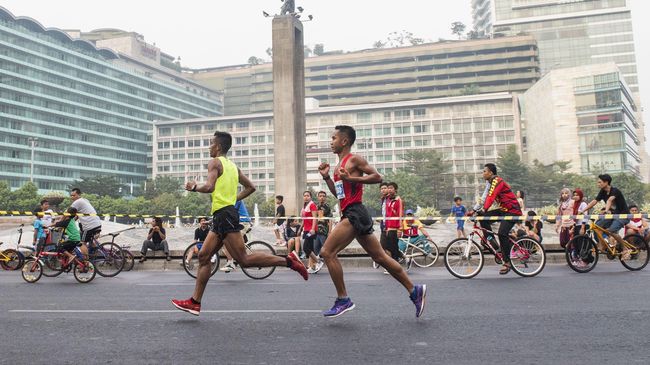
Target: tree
[319,49]
[103,185]
[25,198]
[269,52]
[458,28]
[513,169]
[161,185]
[379,44]
[472,89]
[252,60]
[5,195]
[433,169]
[473,34]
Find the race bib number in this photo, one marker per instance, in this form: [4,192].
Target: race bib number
[338,186]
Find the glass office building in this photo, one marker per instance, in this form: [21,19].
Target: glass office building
[78,109]
[568,33]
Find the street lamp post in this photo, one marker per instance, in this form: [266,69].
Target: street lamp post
[32,141]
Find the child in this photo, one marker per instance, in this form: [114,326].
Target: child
[71,234]
[291,235]
[534,227]
[412,229]
[458,210]
[563,226]
[39,230]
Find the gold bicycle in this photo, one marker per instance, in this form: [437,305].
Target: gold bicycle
[582,251]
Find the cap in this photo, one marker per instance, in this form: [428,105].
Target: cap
[409,211]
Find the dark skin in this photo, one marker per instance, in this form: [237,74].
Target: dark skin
[357,170]
[233,241]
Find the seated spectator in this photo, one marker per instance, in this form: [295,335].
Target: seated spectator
[156,240]
[291,235]
[637,225]
[199,236]
[534,227]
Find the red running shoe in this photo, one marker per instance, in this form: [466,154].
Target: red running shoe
[296,265]
[187,306]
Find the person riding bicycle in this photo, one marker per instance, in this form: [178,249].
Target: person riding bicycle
[413,230]
[614,204]
[499,192]
[71,234]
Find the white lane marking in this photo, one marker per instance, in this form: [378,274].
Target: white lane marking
[162,311]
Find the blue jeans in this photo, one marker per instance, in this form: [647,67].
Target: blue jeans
[612,225]
[318,244]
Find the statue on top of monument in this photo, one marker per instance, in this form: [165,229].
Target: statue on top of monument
[289,7]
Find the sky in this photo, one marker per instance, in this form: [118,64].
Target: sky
[225,32]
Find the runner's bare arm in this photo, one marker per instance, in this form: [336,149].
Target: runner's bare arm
[249,187]
[368,173]
[324,170]
[215,169]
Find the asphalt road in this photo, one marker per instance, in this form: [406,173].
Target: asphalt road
[559,317]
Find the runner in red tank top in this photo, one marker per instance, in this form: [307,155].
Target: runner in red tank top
[349,176]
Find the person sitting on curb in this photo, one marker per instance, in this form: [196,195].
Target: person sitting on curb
[156,240]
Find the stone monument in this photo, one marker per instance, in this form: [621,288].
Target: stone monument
[289,110]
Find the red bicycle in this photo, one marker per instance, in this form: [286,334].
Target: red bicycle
[464,257]
[83,270]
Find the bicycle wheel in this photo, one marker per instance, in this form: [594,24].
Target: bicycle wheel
[464,258]
[32,271]
[84,274]
[108,259]
[192,266]
[581,254]
[259,273]
[527,257]
[129,260]
[424,253]
[14,260]
[638,255]
[51,265]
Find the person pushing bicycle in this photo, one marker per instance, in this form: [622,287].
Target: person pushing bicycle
[497,190]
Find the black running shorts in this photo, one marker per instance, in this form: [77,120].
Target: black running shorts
[226,220]
[359,218]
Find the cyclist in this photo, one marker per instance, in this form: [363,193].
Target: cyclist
[89,223]
[71,234]
[199,236]
[499,192]
[412,229]
[614,204]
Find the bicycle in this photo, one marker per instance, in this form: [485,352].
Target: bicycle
[423,252]
[464,257]
[257,273]
[83,271]
[11,259]
[107,257]
[129,259]
[582,251]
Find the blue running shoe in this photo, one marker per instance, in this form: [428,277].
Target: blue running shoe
[418,297]
[340,306]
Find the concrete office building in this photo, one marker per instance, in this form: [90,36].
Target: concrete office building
[468,130]
[568,33]
[441,69]
[585,115]
[90,109]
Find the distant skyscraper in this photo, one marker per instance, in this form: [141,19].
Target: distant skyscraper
[569,33]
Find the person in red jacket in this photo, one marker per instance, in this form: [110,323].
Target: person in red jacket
[499,192]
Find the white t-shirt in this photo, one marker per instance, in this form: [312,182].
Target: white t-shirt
[87,222]
[47,218]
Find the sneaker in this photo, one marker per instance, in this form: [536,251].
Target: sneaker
[319,266]
[296,265]
[187,306]
[418,297]
[303,256]
[311,271]
[228,267]
[340,306]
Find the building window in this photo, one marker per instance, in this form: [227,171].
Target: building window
[402,114]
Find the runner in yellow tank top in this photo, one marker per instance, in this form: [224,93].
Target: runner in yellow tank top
[222,182]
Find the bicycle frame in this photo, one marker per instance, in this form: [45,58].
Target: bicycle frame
[599,231]
[408,243]
[482,234]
